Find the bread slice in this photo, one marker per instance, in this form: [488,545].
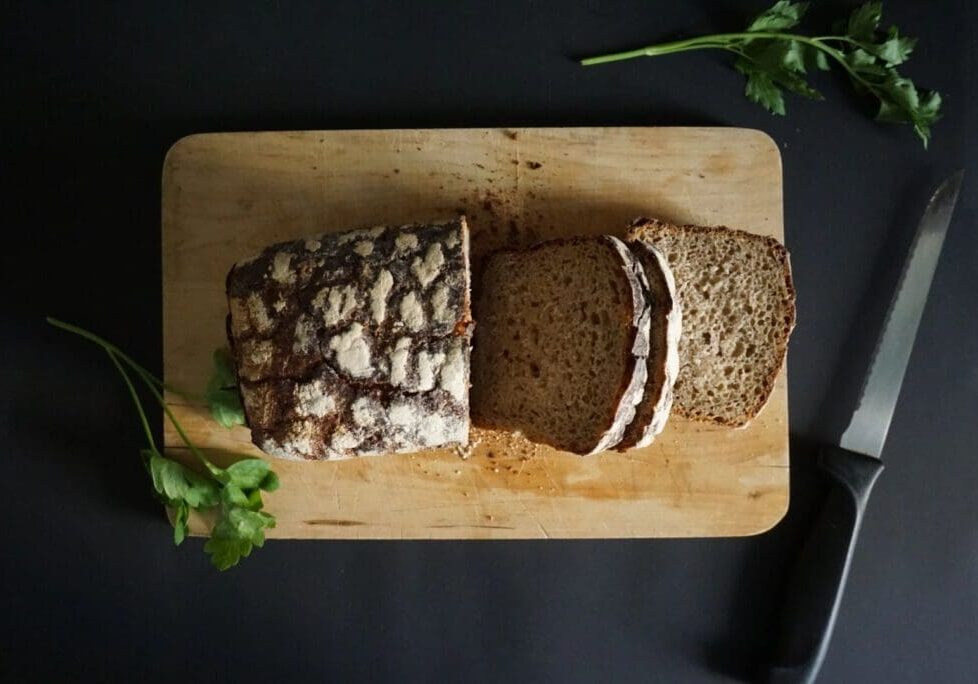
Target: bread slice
[663,359]
[561,342]
[356,343]
[738,306]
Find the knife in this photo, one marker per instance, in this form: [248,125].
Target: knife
[852,466]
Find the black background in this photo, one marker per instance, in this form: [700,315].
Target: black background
[95,93]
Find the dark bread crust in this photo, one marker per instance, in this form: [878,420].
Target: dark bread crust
[663,357]
[344,343]
[647,229]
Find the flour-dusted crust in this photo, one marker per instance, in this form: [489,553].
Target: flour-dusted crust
[634,385]
[356,343]
[663,357]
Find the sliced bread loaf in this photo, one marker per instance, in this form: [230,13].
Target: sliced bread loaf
[663,359]
[356,343]
[738,305]
[561,342]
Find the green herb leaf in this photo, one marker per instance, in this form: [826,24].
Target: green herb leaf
[895,49]
[760,88]
[783,15]
[793,56]
[863,62]
[796,84]
[254,500]
[248,524]
[235,534]
[175,482]
[814,56]
[181,512]
[864,20]
[226,552]
[900,102]
[222,392]
[270,482]
[249,473]
[902,95]
[232,495]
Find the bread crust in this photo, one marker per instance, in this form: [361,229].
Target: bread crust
[634,383]
[663,358]
[355,343]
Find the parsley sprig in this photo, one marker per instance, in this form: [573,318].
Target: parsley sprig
[222,392]
[234,491]
[774,60]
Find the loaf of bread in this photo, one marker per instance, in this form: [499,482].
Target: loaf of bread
[357,343]
[738,308]
[663,359]
[561,343]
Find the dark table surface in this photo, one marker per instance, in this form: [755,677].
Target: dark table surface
[93,589]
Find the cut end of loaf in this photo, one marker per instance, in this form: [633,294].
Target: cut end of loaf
[555,346]
[738,304]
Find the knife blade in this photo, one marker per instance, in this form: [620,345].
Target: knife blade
[871,420]
[852,467]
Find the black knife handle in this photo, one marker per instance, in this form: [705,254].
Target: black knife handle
[819,578]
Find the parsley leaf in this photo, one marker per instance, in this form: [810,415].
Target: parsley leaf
[864,21]
[895,49]
[180,513]
[222,392]
[248,474]
[900,102]
[783,15]
[235,534]
[176,482]
[774,60]
[760,88]
[226,550]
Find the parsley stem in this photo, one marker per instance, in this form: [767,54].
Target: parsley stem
[723,41]
[176,425]
[135,400]
[108,346]
[732,42]
[152,383]
[840,39]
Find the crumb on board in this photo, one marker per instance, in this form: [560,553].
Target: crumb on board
[465,451]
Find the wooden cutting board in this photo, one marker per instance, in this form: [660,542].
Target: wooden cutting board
[225,196]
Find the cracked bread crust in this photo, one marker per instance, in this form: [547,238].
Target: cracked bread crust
[356,343]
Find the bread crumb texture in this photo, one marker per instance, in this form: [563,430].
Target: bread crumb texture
[738,311]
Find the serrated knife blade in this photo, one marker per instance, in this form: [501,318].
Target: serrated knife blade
[870,422]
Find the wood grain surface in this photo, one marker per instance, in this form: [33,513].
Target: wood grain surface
[227,195]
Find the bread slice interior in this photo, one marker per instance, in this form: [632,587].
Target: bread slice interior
[738,305]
